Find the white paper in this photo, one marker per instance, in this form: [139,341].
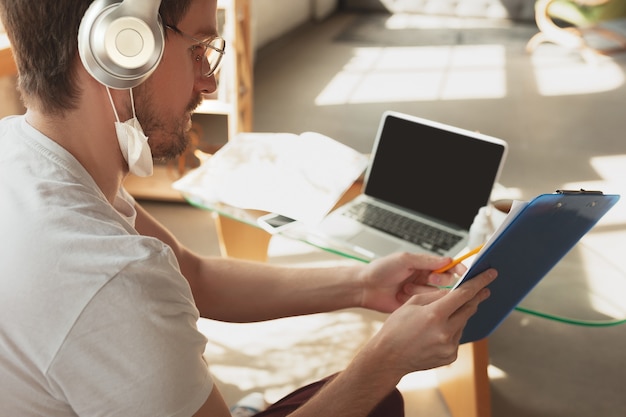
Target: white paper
[299,176]
[516,207]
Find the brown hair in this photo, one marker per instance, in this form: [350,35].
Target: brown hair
[44,40]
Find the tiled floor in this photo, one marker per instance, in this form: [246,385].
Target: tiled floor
[564,120]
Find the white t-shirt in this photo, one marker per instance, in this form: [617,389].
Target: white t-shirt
[95,320]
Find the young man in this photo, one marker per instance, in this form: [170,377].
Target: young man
[99,302]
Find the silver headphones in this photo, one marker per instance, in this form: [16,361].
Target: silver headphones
[120,42]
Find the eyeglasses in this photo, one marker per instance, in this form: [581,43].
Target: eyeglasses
[212,51]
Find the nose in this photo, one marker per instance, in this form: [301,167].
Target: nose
[206,85]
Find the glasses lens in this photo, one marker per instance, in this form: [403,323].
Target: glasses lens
[213,56]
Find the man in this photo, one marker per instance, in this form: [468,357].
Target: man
[99,302]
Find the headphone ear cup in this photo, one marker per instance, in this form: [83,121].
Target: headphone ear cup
[118,45]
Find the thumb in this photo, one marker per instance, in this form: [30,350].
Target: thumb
[429,297]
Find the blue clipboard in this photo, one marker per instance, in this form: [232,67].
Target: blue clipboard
[526,249]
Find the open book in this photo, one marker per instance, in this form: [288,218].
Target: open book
[532,239]
[299,176]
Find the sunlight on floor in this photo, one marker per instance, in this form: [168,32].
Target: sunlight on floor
[276,357]
[429,73]
[610,169]
[602,278]
[601,249]
[495,373]
[393,74]
[556,76]
[419,380]
[454,72]
[401,21]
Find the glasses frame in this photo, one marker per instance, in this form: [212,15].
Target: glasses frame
[208,47]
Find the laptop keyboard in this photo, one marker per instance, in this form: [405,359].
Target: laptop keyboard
[414,231]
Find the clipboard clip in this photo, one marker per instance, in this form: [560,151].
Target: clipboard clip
[581,191]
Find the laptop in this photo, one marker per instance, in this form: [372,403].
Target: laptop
[423,187]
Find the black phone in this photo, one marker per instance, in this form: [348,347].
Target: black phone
[274,222]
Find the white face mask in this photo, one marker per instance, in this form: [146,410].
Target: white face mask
[133,142]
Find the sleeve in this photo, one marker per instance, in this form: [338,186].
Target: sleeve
[135,350]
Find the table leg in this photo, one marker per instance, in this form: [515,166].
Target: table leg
[240,240]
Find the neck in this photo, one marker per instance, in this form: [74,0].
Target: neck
[88,133]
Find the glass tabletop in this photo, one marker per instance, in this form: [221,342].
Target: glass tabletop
[584,288]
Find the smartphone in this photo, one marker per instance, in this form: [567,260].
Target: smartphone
[274,223]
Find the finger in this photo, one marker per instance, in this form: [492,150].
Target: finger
[459,318]
[425,298]
[449,277]
[466,291]
[470,287]
[459,269]
[446,279]
[412,287]
[427,262]
[467,310]
[433,262]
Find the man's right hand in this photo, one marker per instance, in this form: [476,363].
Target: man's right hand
[424,333]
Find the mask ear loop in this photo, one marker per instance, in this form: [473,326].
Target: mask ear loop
[132,103]
[117,118]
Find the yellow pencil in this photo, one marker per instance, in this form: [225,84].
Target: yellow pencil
[459,260]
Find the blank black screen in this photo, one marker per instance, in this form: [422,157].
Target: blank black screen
[436,170]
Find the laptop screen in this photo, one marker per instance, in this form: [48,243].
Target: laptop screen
[439,171]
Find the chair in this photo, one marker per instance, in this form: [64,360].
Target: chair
[572,23]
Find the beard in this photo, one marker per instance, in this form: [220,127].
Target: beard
[168,134]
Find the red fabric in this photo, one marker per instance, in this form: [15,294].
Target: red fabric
[391,406]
